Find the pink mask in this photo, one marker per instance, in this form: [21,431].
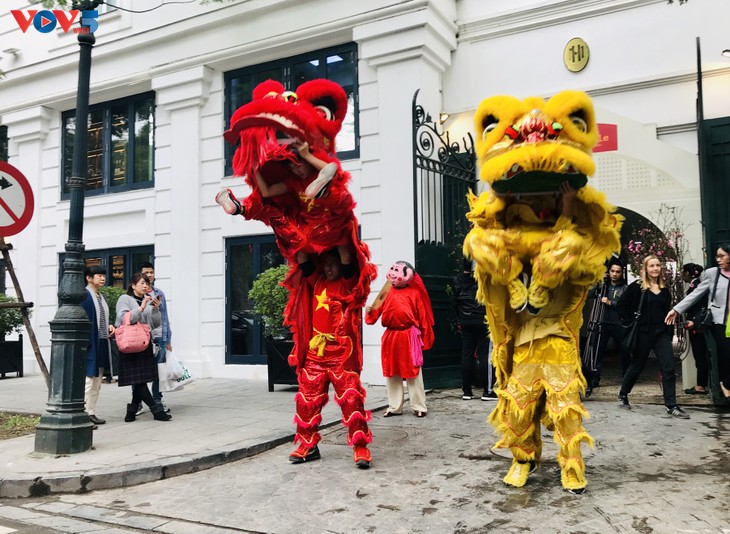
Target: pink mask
[400,273]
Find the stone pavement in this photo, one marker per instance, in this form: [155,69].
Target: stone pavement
[215,421]
[648,474]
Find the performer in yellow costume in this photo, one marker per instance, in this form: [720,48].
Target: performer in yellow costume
[540,237]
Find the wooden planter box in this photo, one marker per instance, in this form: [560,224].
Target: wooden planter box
[280,372]
[11,357]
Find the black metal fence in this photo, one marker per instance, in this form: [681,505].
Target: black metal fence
[443,174]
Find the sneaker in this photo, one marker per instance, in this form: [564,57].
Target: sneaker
[140,410]
[490,396]
[362,457]
[316,188]
[623,401]
[304,454]
[467,397]
[164,406]
[677,412]
[228,202]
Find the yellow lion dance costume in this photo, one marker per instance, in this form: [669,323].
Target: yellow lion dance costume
[539,245]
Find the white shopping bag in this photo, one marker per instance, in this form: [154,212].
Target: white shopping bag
[173,384]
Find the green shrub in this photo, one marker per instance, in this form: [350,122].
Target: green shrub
[269,300]
[11,319]
[111,295]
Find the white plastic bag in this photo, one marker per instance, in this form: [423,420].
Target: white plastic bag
[175,367]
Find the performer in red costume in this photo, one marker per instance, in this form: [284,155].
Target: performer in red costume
[286,154]
[331,357]
[408,319]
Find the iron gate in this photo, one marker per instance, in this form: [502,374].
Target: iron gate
[443,173]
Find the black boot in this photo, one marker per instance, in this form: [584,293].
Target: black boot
[131,413]
[158,412]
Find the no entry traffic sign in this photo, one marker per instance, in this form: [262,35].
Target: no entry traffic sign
[16,200]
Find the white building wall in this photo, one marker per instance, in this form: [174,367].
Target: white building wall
[641,75]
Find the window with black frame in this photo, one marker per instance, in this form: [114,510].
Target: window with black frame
[120,263]
[246,258]
[338,64]
[121,135]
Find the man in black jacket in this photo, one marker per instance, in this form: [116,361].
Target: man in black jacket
[610,326]
[474,335]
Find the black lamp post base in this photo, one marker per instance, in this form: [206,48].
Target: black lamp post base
[61,434]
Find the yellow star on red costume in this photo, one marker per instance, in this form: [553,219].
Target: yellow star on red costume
[322,300]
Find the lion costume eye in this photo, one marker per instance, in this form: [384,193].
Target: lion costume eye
[579,122]
[289,96]
[324,112]
[489,123]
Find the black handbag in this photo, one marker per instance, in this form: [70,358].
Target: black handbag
[632,329]
[703,319]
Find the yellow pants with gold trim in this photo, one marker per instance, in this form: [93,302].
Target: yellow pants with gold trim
[545,384]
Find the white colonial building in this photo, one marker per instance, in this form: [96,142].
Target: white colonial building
[164,83]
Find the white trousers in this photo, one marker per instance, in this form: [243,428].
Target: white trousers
[91,391]
[416,393]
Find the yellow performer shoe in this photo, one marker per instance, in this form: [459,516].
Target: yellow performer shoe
[518,473]
[573,482]
[517,295]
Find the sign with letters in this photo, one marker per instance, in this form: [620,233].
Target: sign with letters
[46,20]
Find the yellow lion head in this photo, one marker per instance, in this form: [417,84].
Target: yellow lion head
[532,146]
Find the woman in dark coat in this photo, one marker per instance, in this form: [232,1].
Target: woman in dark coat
[139,368]
[652,333]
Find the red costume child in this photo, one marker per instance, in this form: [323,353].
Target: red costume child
[332,357]
[408,319]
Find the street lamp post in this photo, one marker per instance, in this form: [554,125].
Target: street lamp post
[66,428]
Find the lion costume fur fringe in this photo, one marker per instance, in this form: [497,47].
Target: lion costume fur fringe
[527,150]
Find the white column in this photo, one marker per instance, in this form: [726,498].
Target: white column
[398,55]
[27,131]
[177,233]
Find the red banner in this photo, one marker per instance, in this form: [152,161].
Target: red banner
[607,138]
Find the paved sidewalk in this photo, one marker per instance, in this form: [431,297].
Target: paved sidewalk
[215,421]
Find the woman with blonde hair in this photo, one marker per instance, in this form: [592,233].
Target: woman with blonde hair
[652,300]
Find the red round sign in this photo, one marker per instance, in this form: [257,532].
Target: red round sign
[16,200]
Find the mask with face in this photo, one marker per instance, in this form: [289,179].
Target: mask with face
[400,273]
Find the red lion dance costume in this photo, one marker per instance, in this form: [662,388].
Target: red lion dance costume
[539,244]
[327,330]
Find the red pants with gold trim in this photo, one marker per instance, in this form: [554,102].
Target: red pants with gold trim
[314,381]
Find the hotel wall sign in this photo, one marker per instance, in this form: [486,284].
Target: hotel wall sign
[576,54]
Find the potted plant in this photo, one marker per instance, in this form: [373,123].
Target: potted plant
[269,299]
[11,352]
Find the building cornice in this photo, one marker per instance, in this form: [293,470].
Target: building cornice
[547,15]
[28,124]
[673,79]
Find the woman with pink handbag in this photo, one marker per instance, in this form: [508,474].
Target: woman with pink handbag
[137,315]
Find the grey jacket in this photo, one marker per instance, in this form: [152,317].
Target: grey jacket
[704,290]
[150,315]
